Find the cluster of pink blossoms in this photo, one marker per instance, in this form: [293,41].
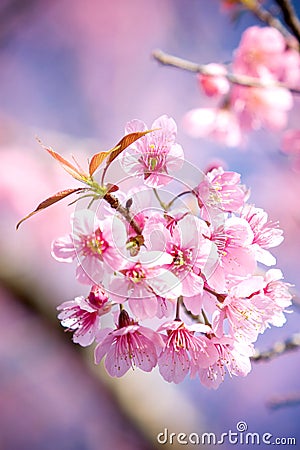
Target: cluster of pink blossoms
[263,55]
[194,271]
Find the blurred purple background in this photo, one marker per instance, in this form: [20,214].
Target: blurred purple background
[74,73]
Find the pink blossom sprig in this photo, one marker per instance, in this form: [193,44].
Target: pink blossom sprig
[192,270]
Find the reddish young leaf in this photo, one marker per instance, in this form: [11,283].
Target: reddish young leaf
[125,142]
[98,159]
[112,188]
[121,145]
[50,201]
[72,170]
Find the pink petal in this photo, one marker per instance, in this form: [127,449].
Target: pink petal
[63,249]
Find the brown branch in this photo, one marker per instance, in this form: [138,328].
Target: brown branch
[196,318]
[241,80]
[265,16]
[280,348]
[283,401]
[290,16]
[115,204]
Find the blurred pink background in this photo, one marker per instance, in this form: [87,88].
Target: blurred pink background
[73,73]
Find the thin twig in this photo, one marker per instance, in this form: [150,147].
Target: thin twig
[290,16]
[168,206]
[283,401]
[162,204]
[278,349]
[241,80]
[268,18]
[196,318]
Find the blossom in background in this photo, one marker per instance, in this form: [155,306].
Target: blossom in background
[266,107]
[290,145]
[98,245]
[219,124]
[262,54]
[155,156]
[82,315]
[129,345]
[216,84]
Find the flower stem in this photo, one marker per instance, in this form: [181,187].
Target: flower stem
[162,204]
[220,297]
[168,206]
[206,321]
[178,304]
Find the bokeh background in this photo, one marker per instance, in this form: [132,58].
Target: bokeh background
[73,72]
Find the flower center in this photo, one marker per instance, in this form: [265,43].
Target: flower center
[136,273]
[181,258]
[94,244]
[154,160]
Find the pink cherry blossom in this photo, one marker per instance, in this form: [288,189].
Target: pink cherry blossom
[143,281]
[197,264]
[244,318]
[83,315]
[165,307]
[129,345]
[233,356]
[156,155]
[219,124]
[221,189]
[184,242]
[215,84]
[266,234]
[184,350]
[236,258]
[253,305]
[99,245]
[273,299]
